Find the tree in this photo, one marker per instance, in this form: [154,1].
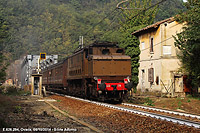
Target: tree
[188,41]
[168,9]
[132,22]
[3,37]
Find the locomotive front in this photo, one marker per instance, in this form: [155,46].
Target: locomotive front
[111,70]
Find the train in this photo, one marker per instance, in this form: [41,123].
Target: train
[99,71]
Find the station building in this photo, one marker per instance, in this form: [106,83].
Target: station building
[159,65]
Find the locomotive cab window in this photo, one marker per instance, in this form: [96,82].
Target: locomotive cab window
[105,51]
[90,51]
[119,51]
[86,53]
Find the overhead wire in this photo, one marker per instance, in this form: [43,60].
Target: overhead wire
[122,9]
[158,43]
[109,14]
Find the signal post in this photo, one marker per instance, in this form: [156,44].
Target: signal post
[36,78]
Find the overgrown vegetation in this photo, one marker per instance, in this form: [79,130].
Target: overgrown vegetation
[149,102]
[8,104]
[188,41]
[133,23]
[14,91]
[193,97]
[3,39]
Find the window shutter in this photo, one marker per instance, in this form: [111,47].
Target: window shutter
[151,75]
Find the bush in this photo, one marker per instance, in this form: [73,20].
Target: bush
[1,89]
[12,90]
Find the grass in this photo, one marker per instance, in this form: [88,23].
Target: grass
[18,109]
[149,102]
[193,97]
[58,100]
[179,104]
[188,100]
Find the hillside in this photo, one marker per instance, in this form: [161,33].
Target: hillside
[54,26]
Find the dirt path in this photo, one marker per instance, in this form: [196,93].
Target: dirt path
[30,113]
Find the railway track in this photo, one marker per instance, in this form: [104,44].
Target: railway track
[144,113]
[164,111]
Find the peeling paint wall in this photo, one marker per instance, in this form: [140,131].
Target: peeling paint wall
[163,59]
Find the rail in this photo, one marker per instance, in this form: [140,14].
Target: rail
[144,113]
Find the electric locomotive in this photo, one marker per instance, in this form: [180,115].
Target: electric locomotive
[100,70]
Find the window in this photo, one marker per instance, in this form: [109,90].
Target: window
[143,45]
[151,44]
[90,51]
[157,80]
[166,50]
[119,51]
[105,51]
[86,53]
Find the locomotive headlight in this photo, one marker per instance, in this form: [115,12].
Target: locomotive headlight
[126,81]
[108,85]
[99,81]
[119,85]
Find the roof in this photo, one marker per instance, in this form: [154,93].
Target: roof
[98,44]
[103,44]
[153,26]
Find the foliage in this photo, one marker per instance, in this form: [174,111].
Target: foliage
[54,26]
[2,68]
[188,41]
[149,102]
[188,100]
[169,8]
[18,109]
[3,38]
[133,23]
[14,91]
[193,97]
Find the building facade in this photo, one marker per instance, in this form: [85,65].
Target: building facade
[159,65]
[29,66]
